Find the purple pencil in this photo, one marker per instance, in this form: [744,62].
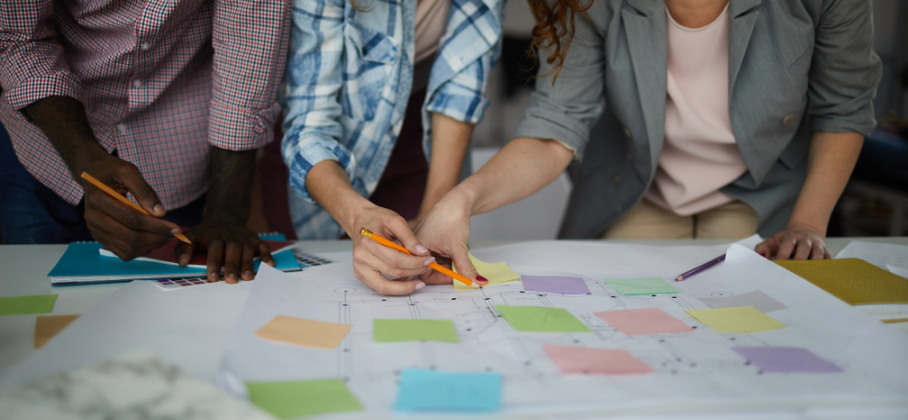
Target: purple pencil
[700,268]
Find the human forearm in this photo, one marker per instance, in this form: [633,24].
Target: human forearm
[232,174]
[65,123]
[329,185]
[450,141]
[830,163]
[521,168]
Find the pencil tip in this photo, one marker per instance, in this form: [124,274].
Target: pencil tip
[679,278]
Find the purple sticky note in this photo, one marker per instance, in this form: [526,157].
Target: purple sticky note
[555,284]
[786,360]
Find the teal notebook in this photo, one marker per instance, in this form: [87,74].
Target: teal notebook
[82,263]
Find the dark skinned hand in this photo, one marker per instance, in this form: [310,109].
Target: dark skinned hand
[230,245]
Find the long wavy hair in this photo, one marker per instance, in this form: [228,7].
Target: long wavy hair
[555,27]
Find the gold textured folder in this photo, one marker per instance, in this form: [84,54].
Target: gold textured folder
[855,281]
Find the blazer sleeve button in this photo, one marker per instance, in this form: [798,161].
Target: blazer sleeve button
[788,119]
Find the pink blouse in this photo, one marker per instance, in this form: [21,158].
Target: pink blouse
[699,155]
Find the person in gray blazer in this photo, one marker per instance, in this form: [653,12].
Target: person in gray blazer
[754,110]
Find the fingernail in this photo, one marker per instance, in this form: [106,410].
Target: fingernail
[176,231]
[413,277]
[212,277]
[430,260]
[159,208]
[231,276]
[481,278]
[421,248]
[420,285]
[184,259]
[763,254]
[247,273]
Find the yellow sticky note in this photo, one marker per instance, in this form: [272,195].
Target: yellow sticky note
[304,332]
[742,319]
[495,273]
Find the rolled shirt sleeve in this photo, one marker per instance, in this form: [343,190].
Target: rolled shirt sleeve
[250,42]
[32,66]
[314,80]
[844,72]
[567,109]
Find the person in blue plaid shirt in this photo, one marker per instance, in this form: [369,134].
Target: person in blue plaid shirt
[381,100]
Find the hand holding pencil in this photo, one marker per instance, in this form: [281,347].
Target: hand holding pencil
[127,229]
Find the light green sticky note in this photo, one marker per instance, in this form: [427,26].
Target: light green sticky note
[302,398]
[742,319]
[24,305]
[392,330]
[642,286]
[541,319]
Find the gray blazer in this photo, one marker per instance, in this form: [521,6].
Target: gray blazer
[795,67]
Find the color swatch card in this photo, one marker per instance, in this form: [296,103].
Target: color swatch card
[309,260]
[757,299]
[541,319]
[495,273]
[631,322]
[744,319]
[26,305]
[598,361]
[48,326]
[176,284]
[786,360]
[642,286]
[555,284]
[396,330]
[291,399]
[304,332]
[429,390]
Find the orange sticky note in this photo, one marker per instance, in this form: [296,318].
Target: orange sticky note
[643,321]
[304,332]
[602,361]
[46,327]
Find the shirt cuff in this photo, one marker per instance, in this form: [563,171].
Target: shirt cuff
[235,128]
[544,129]
[833,125]
[465,108]
[310,154]
[34,89]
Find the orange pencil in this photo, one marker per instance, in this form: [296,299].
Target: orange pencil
[377,238]
[94,181]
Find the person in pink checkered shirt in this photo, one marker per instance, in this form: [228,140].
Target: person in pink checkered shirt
[164,100]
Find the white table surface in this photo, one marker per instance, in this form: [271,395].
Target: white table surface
[24,268]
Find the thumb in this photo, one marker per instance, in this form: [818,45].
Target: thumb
[463,265]
[401,231]
[148,199]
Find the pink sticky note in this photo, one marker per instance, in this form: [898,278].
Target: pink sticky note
[601,361]
[643,321]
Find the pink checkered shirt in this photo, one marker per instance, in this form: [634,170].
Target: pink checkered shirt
[161,81]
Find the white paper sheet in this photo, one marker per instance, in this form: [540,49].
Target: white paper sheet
[188,329]
[694,371]
[878,254]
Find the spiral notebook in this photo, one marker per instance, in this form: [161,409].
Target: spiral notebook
[83,263]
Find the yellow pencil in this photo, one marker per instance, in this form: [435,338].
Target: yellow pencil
[94,181]
[378,238]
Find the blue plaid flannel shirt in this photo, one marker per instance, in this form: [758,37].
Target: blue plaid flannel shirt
[349,77]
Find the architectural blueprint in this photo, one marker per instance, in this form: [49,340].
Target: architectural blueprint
[691,370]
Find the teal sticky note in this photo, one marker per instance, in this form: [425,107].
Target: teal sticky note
[429,390]
[642,286]
[25,305]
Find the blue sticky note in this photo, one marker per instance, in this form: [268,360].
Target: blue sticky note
[429,390]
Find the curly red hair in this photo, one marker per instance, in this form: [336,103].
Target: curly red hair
[554,27]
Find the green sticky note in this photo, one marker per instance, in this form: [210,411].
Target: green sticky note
[24,305]
[392,330]
[642,286]
[742,319]
[541,319]
[302,398]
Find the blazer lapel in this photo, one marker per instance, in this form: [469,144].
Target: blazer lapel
[740,29]
[644,26]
